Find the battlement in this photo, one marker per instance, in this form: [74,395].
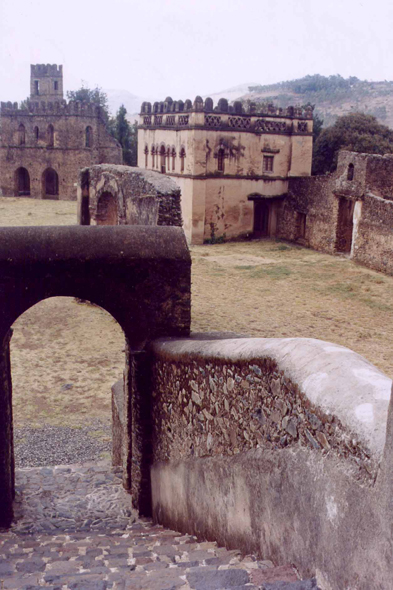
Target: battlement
[40,70]
[223,106]
[58,107]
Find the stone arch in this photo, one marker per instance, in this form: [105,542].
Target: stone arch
[50,184]
[107,213]
[22,182]
[140,275]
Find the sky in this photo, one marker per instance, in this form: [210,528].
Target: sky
[182,48]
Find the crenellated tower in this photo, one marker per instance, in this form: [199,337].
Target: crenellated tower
[46,82]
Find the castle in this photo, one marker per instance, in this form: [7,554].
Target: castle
[232,164]
[44,143]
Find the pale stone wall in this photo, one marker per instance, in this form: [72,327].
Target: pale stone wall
[226,148]
[279,446]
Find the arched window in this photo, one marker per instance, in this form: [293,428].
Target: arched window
[50,136]
[89,137]
[162,159]
[168,158]
[36,133]
[220,159]
[153,156]
[146,156]
[350,173]
[21,134]
[173,158]
[182,158]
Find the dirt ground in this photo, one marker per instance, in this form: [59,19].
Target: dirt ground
[65,356]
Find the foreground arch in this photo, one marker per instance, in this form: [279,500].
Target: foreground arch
[139,274]
[50,184]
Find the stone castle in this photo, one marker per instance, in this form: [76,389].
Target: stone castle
[44,143]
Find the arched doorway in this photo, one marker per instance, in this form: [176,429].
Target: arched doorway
[344,228]
[22,182]
[261,218]
[50,184]
[133,273]
[107,210]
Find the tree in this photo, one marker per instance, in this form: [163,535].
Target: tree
[126,135]
[95,95]
[356,132]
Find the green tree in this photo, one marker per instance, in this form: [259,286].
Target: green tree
[126,135]
[95,95]
[356,132]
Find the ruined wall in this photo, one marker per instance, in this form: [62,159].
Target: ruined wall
[64,150]
[137,197]
[374,237]
[275,446]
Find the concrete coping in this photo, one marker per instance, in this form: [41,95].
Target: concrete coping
[335,379]
[26,245]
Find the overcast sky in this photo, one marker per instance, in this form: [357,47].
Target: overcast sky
[155,48]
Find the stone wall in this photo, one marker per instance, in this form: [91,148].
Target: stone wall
[318,198]
[276,446]
[138,197]
[66,154]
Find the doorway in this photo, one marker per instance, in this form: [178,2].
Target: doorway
[107,210]
[344,225]
[22,182]
[261,218]
[50,184]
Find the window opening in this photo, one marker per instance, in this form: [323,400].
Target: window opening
[182,158]
[268,163]
[36,87]
[51,136]
[350,173]
[89,137]
[22,134]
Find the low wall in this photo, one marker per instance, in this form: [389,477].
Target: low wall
[276,446]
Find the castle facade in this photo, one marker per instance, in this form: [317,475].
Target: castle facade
[45,143]
[232,163]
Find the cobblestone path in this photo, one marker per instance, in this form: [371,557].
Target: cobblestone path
[75,529]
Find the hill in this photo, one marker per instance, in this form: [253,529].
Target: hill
[333,96]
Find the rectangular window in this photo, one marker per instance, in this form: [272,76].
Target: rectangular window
[268,163]
[56,85]
[301,226]
[36,87]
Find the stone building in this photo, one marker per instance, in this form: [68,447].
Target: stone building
[45,143]
[232,164]
[349,211]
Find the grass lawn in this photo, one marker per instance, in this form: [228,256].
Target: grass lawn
[65,356]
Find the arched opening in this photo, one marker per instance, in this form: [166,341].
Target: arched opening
[65,358]
[50,184]
[22,182]
[21,134]
[261,218]
[350,172]
[153,157]
[162,159]
[182,158]
[36,133]
[50,136]
[89,137]
[107,210]
[173,158]
[220,159]
[146,152]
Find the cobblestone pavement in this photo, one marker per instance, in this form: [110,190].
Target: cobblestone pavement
[75,529]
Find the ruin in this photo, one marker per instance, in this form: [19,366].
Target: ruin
[232,164]
[45,142]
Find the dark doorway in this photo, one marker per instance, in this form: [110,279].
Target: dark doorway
[22,183]
[261,219]
[344,225]
[50,184]
[106,210]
